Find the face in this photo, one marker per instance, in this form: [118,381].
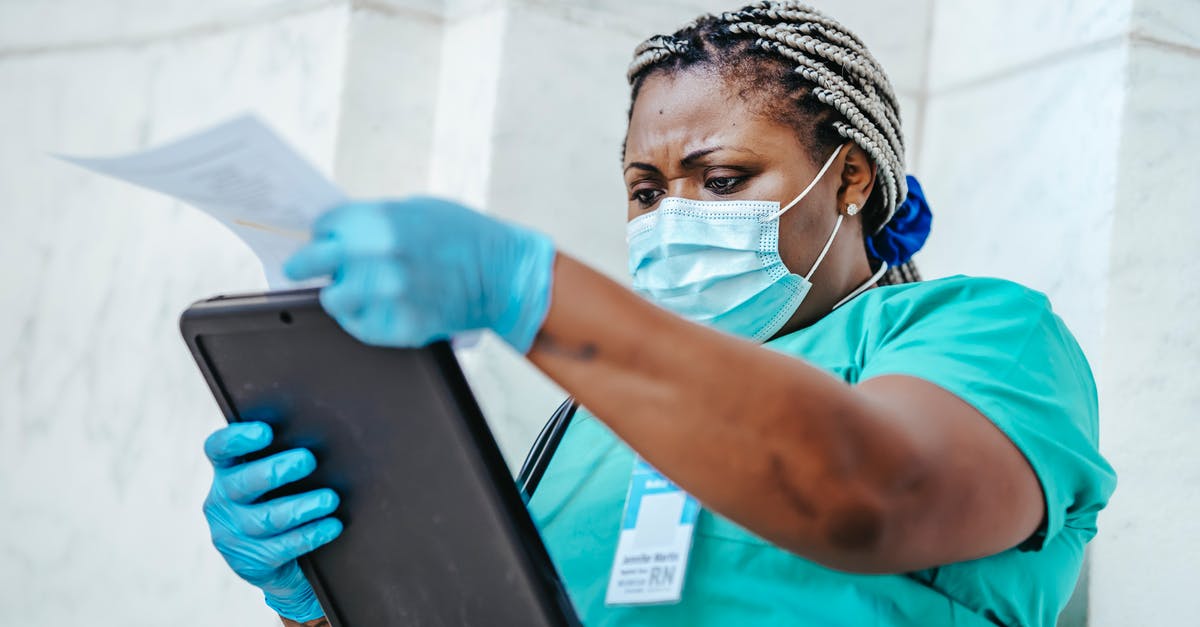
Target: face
[692,136]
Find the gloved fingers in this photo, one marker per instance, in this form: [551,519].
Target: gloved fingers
[377,326]
[361,285]
[226,445]
[290,545]
[287,583]
[274,517]
[342,299]
[319,257]
[291,596]
[244,483]
[363,227]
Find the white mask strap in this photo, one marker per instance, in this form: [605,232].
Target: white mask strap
[862,288]
[837,225]
[808,189]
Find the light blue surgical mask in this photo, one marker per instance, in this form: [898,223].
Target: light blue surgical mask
[718,263]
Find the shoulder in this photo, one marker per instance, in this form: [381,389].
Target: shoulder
[959,294]
[971,311]
[978,334]
[990,341]
[957,321]
[975,312]
[999,347]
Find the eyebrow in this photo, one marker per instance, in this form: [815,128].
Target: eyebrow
[689,160]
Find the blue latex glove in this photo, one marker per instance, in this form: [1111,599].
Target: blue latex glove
[261,542]
[409,272]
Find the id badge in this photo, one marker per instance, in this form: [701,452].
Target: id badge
[656,536]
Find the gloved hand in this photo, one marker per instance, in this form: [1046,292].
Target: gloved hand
[409,272]
[261,541]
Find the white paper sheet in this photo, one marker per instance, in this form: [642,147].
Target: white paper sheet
[242,174]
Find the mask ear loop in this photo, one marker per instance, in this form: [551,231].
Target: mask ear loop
[821,173]
[883,268]
[829,242]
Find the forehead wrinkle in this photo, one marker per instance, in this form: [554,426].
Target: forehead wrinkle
[678,115]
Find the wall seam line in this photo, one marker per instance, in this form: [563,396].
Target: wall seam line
[374,6]
[1140,37]
[923,91]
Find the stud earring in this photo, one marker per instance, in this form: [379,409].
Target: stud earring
[851,209]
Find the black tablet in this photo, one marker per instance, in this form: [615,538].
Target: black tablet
[436,533]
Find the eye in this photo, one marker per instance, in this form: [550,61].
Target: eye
[646,196]
[724,184]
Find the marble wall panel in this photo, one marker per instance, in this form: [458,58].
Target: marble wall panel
[515,398]
[560,124]
[895,31]
[973,40]
[467,9]
[636,19]
[1145,556]
[467,91]
[1171,21]
[555,123]
[290,72]
[1021,174]
[51,24]
[426,8]
[912,119]
[102,413]
[389,101]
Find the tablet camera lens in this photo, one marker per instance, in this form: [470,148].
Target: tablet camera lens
[285,317]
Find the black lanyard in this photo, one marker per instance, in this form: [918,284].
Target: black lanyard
[544,447]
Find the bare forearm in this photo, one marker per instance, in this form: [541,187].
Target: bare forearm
[774,444]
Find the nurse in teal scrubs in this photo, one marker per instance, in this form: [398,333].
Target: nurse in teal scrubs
[849,445]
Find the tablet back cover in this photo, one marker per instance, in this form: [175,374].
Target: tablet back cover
[435,531]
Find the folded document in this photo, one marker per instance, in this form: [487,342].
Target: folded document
[242,174]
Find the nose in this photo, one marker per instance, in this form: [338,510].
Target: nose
[685,187]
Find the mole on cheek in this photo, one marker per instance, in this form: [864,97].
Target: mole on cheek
[660,111]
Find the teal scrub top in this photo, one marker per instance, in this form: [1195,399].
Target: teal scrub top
[993,343]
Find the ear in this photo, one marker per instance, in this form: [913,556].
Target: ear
[858,178]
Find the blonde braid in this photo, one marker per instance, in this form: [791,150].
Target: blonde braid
[865,110]
[652,52]
[852,102]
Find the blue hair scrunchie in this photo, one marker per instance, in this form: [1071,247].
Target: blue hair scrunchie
[906,232]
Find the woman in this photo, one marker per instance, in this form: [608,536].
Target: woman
[896,453]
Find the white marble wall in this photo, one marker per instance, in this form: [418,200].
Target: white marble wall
[1040,132]
[1145,561]
[1020,147]
[101,412]
[1054,152]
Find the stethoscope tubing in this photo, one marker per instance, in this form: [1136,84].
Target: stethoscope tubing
[544,446]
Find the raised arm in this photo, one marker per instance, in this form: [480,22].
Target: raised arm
[892,475]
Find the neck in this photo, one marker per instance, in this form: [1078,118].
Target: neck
[866,285]
[829,292]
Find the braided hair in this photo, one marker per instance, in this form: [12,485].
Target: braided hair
[808,71]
